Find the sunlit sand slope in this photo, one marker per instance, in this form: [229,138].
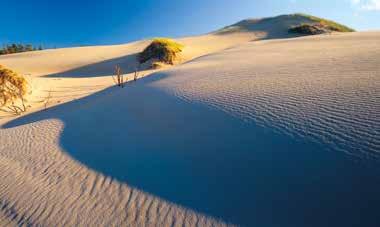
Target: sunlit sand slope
[60,75]
[241,136]
[325,89]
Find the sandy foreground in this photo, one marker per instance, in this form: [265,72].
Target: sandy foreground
[279,132]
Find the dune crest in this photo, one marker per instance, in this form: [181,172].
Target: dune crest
[267,133]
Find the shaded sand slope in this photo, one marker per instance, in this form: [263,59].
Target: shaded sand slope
[269,133]
[46,62]
[41,185]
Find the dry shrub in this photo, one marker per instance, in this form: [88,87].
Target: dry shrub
[12,87]
[137,72]
[161,49]
[118,78]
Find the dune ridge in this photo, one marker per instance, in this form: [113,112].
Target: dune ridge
[70,73]
[321,90]
[242,132]
[50,175]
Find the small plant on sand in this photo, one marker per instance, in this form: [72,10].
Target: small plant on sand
[13,88]
[47,100]
[161,49]
[136,74]
[118,78]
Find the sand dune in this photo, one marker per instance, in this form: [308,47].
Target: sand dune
[71,73]
[81,71]
[325,89]
[62,75]
[241,133]
[49,188]
[267,28]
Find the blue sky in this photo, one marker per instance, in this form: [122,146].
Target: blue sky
[96,22]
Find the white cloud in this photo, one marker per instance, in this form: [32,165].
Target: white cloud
[370,5]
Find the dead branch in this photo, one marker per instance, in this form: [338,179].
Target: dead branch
[47,99]
[137,72]
[118,78]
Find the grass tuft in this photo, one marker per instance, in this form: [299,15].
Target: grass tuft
[12,87]
[161,49]
[331,25]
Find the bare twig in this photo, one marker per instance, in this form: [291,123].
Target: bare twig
[22,98]
[118,78]
[47,99]
[137,71]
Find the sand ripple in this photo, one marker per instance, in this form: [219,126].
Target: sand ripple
[323,89]
[317,90]
[43,186]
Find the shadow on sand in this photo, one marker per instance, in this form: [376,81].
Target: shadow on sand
[127,63]
[208,161]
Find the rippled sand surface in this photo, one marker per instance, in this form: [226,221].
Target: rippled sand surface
[266,133]
[324,89]
[43,186]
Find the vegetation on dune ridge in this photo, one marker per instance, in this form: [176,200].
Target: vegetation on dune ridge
[287,21]
[310,29]
[161,49]
[12,87]
[334,26]
[18,48]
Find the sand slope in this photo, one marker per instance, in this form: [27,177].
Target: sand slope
[60,75]
[265,133]
[70,73]
[66,75]
[49,188]
[267,28]
[325,88]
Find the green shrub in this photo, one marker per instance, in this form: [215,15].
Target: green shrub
[333,26]
[17,48]
[310,29]
[12,86]
[161,49]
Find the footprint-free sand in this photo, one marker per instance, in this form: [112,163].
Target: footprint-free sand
[282,132]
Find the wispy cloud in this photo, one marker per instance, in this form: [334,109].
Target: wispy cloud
[370,5]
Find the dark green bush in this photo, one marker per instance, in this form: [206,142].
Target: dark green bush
[17,48]
[310,29]
[331,25]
